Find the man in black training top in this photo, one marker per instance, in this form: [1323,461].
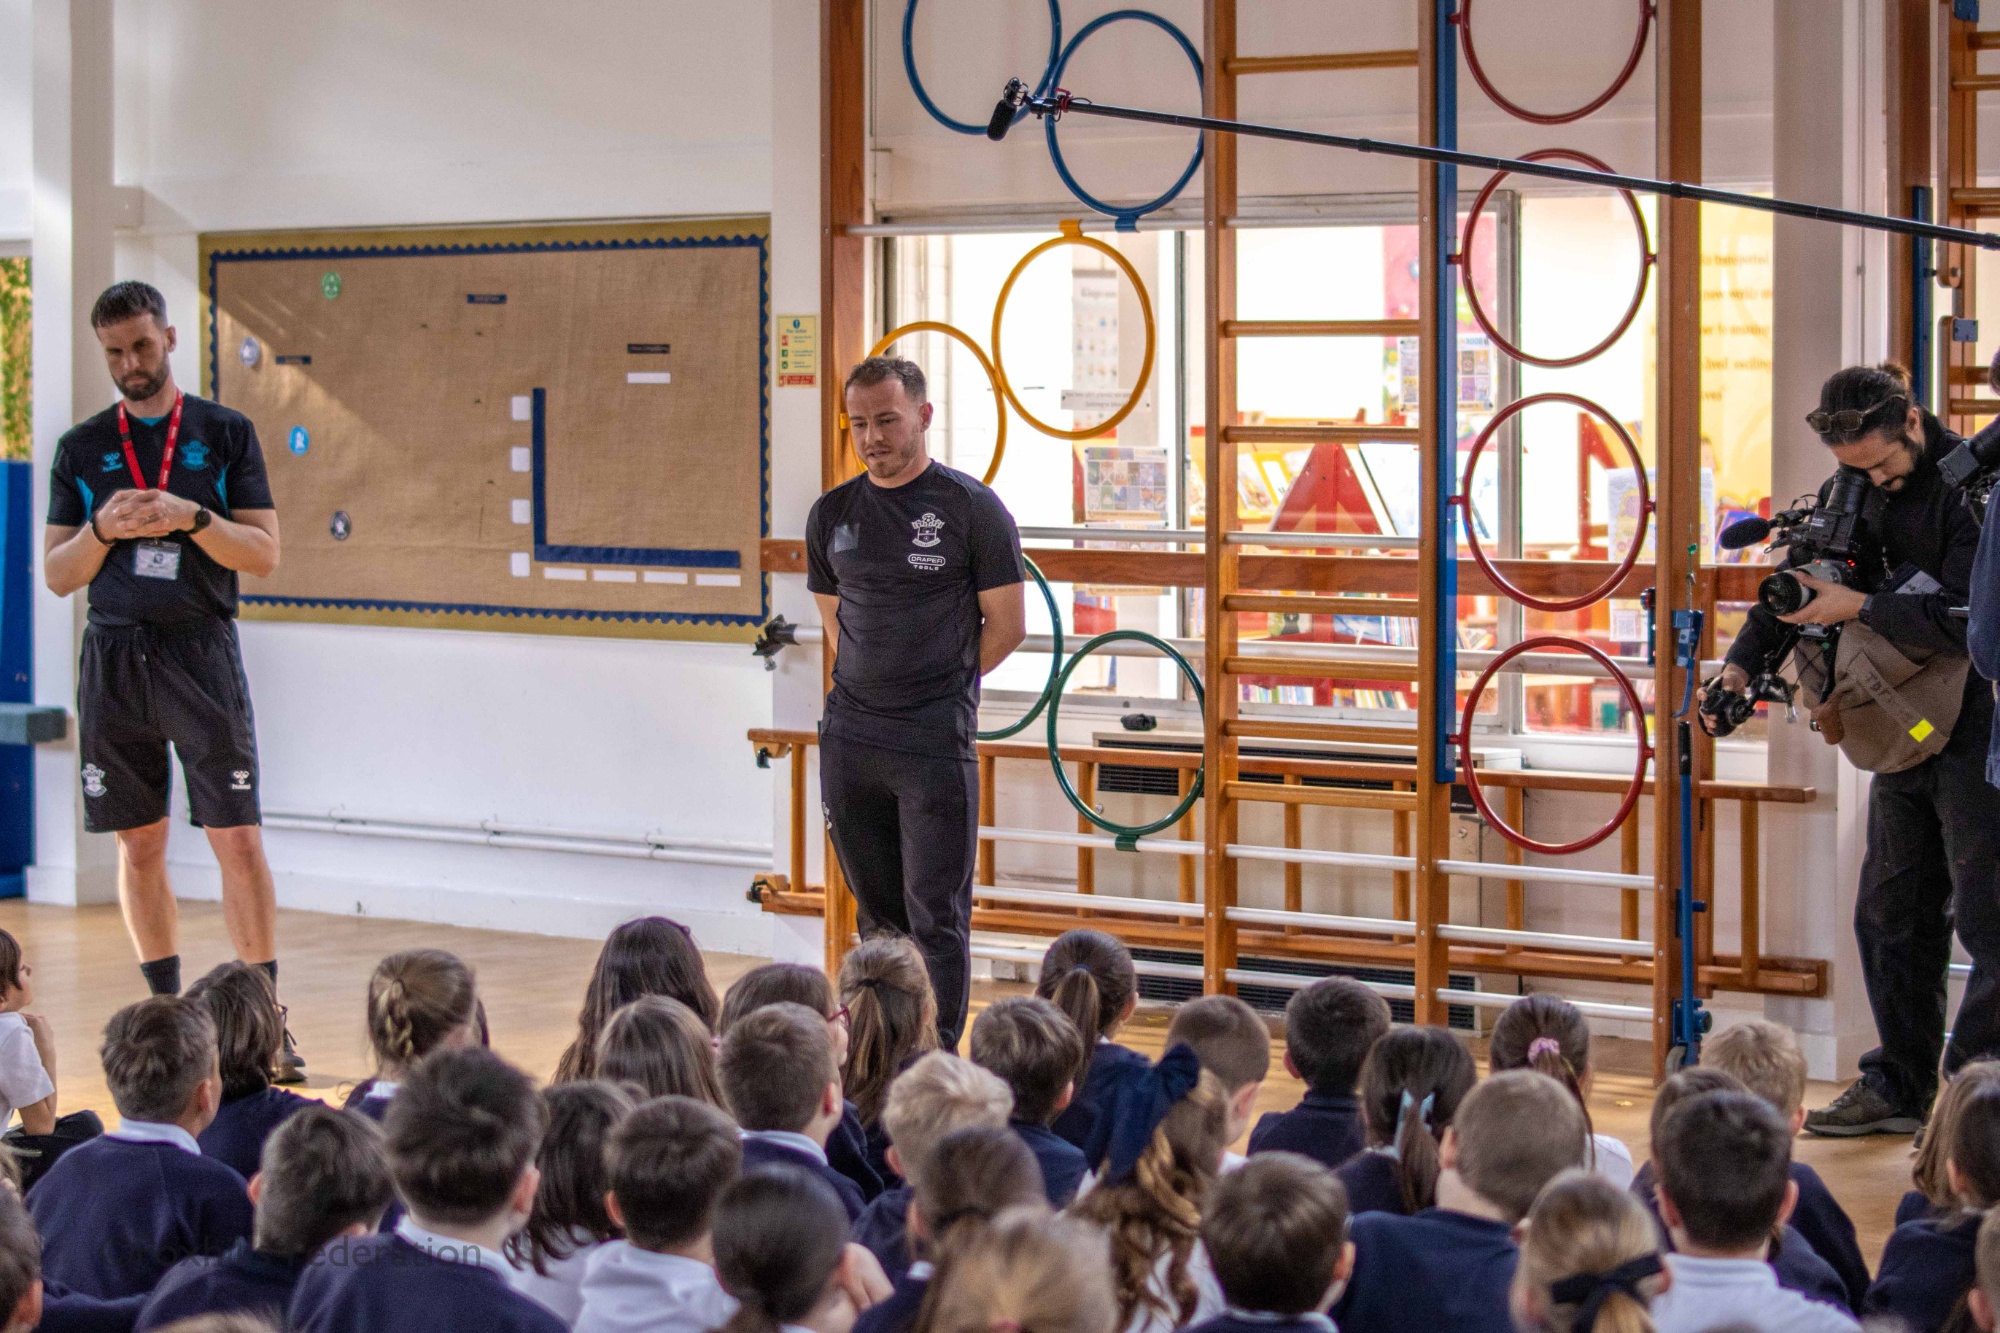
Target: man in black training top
[155,504]
[917,570]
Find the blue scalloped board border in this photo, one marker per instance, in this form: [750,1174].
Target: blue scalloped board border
[762,244]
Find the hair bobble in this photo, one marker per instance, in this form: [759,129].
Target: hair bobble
[1589,1291]
[1540,1044]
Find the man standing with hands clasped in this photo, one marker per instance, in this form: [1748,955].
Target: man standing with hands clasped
[155,505]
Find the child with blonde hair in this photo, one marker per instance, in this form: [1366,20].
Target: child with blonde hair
[1590,1260]
[1030,1273]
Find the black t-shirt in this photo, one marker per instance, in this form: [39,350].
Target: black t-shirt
[216,463]
[908,564]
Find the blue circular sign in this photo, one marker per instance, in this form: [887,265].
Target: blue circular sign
[300,441]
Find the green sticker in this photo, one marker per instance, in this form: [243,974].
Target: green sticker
[329,285]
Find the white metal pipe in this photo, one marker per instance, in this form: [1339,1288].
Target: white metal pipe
[1363,541]
[1960,971]
[1552,874]
[1101,902]
[1011,953]
[1103,842]
[1305,856]
[1246,976]
[1144,536]
[1545,940]
[1589,1008]
[629,850]
[652,838]
[1361,925]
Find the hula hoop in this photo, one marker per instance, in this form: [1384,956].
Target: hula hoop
[1472,67]
[1471,775]
[964,339]
[1463,500]
[1072,234]
[924,98]
[1647,258]
[1055,663]
[1126,216]
[1124,832]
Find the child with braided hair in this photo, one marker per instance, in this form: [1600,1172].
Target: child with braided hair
[419,1001]
[1164,1153]
[1549,1035]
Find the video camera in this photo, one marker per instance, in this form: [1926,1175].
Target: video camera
[1974,466]
[1828,534]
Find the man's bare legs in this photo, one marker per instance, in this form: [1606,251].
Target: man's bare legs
[249,902]
[249,899]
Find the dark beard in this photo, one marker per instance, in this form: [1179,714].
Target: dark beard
[146,388]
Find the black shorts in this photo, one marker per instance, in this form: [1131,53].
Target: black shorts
[141,687]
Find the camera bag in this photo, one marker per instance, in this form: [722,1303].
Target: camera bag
[1890,708]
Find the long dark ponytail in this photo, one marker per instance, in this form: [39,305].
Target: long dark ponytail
[1089,976]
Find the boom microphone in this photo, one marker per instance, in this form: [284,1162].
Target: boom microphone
[1744,532]
[1007,110]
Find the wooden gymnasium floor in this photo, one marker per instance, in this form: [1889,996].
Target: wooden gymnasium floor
[532,985]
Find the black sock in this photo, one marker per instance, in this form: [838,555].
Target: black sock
[270,970]
[163,975]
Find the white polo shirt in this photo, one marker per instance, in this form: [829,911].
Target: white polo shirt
[23,1081]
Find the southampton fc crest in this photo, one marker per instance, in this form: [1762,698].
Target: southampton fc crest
[927,528]
[93,780]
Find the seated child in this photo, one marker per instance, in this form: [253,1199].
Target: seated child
[1088,975]
[780,1242]
[1412,1082]
[1162,1159]
[1031,1273]
[847,1146]
[1932,1193]
[1026,1041]
[1797,1264]
[569,1222]
[1983,1301]
[936,1095]
[1723,1189]
[892,1019]
[1329,1027]
[778,1079]
[652,955]
[115,1213]
[1276,1233]
[666,1164]
[661,1047]
[249,1030]
[1550,1035]
[966,1179]
[1590,1258]
[462,1132]
[1448,1269]
[28,1075]
[1930,1264]
[1766,1059]
[1233,1044]
[419,1001]
[29,1305]
[323,1175]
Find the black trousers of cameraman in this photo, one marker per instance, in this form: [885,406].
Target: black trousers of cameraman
[1933,864]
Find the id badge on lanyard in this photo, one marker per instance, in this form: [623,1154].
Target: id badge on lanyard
[153,558]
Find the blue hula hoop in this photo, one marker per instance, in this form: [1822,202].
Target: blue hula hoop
[924,98]
[1127,217]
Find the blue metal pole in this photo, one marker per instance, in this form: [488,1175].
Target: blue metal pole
[1922,316]
[1440,272]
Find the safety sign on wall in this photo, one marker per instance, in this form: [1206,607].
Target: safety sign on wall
[798,351]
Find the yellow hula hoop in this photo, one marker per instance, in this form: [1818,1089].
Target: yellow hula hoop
[1072,234]
[964,339]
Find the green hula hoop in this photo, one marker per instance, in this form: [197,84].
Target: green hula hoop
[1055,663]
[1127,834]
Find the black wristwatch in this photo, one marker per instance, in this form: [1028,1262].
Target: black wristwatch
[201,519]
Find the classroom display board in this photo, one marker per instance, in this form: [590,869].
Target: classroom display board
[558,430]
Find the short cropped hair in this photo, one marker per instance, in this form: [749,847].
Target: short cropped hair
[1227,1036]
[877,369]
[667,1163]
[323,1171]
[1034,1047]
[248,1025]
[775,1065]
[1274,1229]
[1516,1132]
[1329,1027]
[776,983]
[1725,1159]
[155,1054]
[1689,1083]
[462,1128]
[128,300]
[1765,1058]
[20,1254]
[938,1094]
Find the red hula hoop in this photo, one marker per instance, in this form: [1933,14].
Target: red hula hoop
[1464,22]
[1464,500]
[1646,261]
[1471,774]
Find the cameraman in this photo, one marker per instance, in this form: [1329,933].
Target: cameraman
[1933,829]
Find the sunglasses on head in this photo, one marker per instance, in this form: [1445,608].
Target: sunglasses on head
[1849,421]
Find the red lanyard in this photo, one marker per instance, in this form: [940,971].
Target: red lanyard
[166,458]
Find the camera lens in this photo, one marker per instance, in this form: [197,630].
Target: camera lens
[1782,595]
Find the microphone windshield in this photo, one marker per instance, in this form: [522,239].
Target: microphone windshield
[1004,111]
[1744,532]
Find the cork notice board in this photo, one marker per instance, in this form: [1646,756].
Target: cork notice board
[557,430]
